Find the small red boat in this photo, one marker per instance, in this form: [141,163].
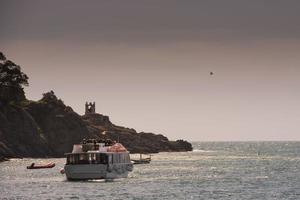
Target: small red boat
[33,166]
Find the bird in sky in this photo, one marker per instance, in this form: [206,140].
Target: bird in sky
[211,73]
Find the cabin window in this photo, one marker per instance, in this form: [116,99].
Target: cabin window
[122,158]
[72,159]
[118,158]
[68,159]
[83,159]
[110,158]
[92,158]
[114,158]
[76,158]
[98,158]
[127,158]
[101,158]
[104,158]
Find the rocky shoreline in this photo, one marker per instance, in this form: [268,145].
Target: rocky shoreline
[49,128]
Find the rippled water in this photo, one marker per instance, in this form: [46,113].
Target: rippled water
[215,170]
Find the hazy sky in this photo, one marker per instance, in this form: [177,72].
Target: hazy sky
[146,64]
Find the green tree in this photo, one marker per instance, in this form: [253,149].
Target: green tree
[11,74]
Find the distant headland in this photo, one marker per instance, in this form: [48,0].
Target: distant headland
[49,128]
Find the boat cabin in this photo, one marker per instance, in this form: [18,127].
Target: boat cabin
[97,158]
[87,158]
[98,152]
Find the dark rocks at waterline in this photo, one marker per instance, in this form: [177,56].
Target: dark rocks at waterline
[2,159]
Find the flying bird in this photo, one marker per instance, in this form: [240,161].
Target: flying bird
[211,73]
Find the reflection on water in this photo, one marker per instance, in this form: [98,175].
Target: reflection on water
[214,170]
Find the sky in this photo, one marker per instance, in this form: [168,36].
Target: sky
[147,64]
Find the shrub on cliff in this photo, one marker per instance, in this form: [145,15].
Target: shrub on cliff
[51,98]
[11,74]
[11,81]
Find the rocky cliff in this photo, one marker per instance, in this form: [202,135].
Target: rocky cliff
[49,128]
[20,135]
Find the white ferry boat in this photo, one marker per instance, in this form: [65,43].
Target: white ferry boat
[102,159]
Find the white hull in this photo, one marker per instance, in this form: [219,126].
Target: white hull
[97,171]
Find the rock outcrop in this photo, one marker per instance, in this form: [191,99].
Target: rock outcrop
[134,141]
[20,135]
[49,128]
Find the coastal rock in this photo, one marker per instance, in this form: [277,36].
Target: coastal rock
[49,128]
[135,142]
[20,136]
[59,124]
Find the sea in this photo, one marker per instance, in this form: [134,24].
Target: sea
[214,170]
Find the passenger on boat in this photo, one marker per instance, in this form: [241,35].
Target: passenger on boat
[108,142]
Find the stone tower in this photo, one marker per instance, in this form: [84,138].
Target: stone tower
[90,108]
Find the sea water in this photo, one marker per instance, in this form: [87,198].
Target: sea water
[214,170]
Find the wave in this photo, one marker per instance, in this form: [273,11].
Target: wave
[203,151]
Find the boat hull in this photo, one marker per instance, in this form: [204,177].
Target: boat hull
[97,171]
[143,161]
[51,165]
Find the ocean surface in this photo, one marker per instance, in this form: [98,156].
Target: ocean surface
[214,170]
